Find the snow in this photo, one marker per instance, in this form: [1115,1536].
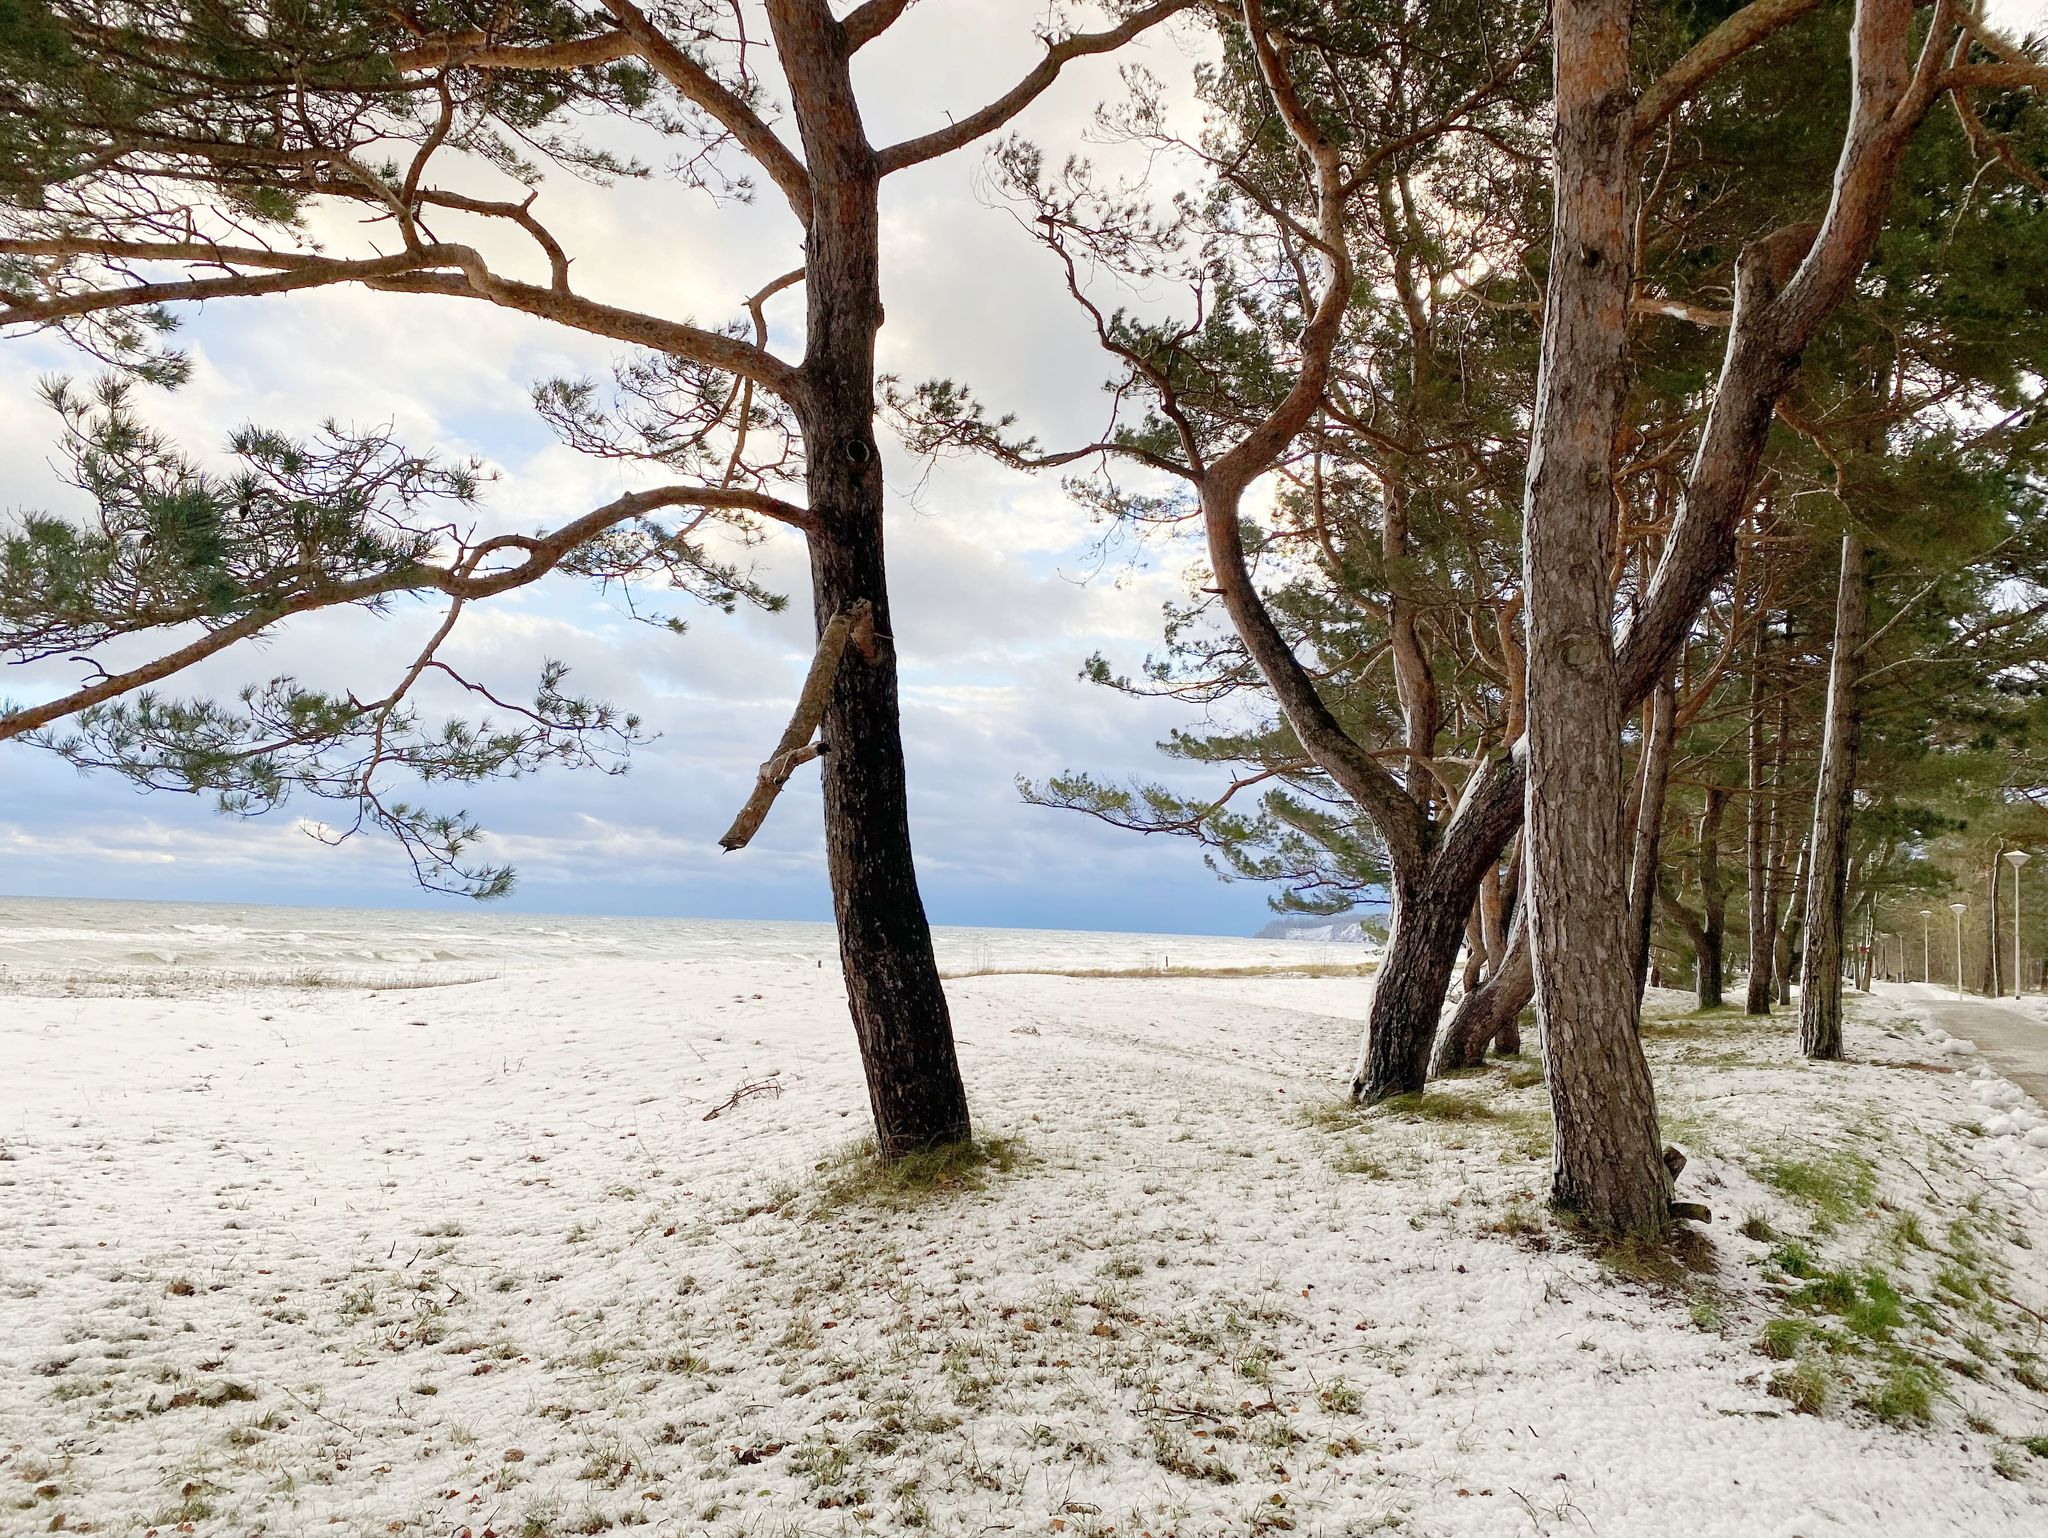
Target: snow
[472,1259]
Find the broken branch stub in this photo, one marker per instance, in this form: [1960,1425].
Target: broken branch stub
[796,749]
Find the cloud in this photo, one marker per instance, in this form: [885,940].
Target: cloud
[995,604]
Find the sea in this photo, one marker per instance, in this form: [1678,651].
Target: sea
[221,941]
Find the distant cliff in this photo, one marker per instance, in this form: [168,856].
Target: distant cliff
[1343,928]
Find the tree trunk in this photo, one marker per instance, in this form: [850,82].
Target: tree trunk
[1511,973]
[1787,961]
[885,945]
[1408,994]
[1490,1014]
[1608,1165]
[1756,840]
[1820,990]
[1653,777]
[1713,902]
[1475,952]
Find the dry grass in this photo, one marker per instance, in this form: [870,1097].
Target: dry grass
[179,982]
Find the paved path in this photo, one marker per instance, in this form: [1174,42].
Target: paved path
[2012,1040]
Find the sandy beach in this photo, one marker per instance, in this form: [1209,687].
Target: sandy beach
[583,1246]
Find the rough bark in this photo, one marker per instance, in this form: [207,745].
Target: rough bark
[1608,1165]
[1820,991]
[1475,952]
[885,949]
[1408,996]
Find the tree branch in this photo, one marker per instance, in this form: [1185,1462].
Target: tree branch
[1713,53]
[1058,55]
[543,553]
[410,271]
[870,20]
[733,115]
[796,749]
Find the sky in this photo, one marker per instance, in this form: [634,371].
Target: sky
[999,585]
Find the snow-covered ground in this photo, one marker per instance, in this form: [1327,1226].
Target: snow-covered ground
[480,1259]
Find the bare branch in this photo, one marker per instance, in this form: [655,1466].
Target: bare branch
[1058,55]
[733,115]
[796,749]
[407,272]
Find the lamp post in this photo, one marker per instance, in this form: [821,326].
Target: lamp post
[1926,944]
[1959,909]
[2016,858]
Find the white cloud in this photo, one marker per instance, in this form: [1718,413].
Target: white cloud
[992,617]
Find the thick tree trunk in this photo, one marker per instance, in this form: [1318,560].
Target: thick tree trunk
[1707,975]
[1408,995]
[1653,778]
[885,946]
[1756,840]
[1608,1165]
[1820,991]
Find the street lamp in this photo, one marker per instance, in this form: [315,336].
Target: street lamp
[1926,952]
[1959,909]
[2016,858]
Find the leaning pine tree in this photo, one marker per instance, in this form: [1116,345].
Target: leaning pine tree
[156,153]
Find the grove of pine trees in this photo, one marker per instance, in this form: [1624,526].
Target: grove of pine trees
[1608,438]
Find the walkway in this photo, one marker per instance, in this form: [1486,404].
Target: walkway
[2013,1039]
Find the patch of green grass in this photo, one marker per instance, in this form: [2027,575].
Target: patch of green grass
[1521,1075]
[1517,1222]
[1836,1186]
[1834,1291]
[1783,1336]
[1436,1105]
[1356,1161]
[858,1177]
[1907,1394]
[1907,1234]
[2038,1446]
[1879,1311]
[1757,1226]
[1340,1398]
[1330,1116]
[1792,1258]
[1958,1283]
[1804,1387]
